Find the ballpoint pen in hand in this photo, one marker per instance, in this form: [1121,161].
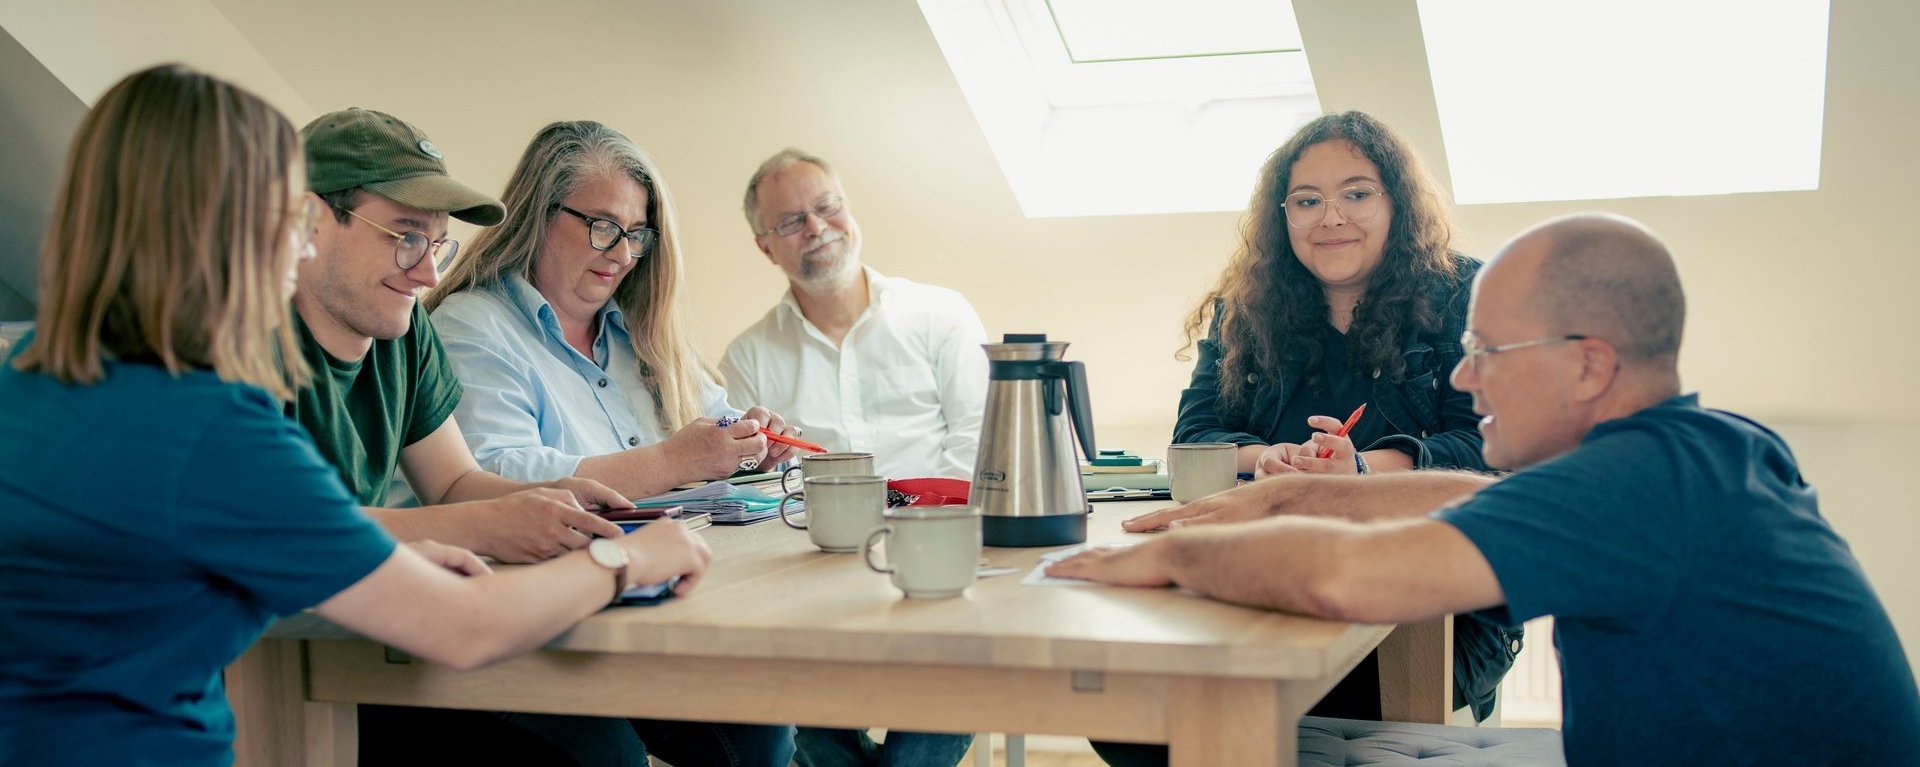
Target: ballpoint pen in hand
[1327,452]
[783,439]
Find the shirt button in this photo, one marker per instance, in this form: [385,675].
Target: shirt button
[633,441]
[603,383]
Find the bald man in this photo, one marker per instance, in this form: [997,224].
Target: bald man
[1704,611]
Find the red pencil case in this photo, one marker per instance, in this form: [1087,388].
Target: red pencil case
[929,491]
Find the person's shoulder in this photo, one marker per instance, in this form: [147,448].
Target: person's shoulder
[475,311]
[771,329]
[1683,421]
[193,396]
[926,298]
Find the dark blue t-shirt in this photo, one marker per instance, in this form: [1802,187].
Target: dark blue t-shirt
[1704,611]
[150,527]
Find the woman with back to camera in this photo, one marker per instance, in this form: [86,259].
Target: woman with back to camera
[158,509]
[1345,292]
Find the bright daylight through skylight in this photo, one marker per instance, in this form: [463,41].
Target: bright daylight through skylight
[1103,107]
[1627,98]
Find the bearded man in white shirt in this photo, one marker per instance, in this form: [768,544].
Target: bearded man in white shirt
[859,361]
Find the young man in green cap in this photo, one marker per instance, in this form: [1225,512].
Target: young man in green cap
[383,397]
[383,394]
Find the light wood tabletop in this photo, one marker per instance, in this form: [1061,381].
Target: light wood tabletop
[781,632]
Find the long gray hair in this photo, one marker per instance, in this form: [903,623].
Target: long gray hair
[563,157]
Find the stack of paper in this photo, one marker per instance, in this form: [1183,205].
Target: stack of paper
[727,503]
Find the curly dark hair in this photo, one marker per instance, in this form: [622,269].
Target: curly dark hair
[1271,308]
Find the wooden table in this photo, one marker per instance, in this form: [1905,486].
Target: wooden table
[781,632]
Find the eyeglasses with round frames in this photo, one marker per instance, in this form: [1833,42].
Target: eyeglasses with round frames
[791,225]
[1306,209]
[1474,350]
[603,233]
[410,247]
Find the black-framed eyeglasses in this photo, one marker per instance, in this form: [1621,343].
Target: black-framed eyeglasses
[410,247]
[603,233]
[1306,209]
[1474,350]
[791,224]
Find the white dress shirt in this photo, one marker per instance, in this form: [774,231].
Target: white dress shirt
[534,406]
[908,383]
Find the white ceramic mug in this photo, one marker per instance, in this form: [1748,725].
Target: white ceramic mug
[827,465]
[839,509]
[1200,469]
[932,551]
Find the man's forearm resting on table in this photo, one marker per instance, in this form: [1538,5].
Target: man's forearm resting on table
[1370,572]
[1391,496]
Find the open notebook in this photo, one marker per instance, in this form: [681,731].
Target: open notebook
[724,503]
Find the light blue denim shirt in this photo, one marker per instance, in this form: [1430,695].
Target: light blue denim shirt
[535,406]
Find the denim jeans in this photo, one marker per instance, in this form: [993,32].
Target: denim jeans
[825,747]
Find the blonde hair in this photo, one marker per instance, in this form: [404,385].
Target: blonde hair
[168,239]
[562,157]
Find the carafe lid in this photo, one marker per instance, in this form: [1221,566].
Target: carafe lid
[1017,347]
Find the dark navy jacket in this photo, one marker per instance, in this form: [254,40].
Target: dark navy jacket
[1431,422]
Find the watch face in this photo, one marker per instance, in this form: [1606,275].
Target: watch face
[607,553]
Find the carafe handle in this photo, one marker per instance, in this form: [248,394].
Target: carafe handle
[1073,375]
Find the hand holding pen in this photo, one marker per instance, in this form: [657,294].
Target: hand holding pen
[781,437]
[1329,452]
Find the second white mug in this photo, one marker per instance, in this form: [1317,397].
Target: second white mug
[932,551]
[839,509]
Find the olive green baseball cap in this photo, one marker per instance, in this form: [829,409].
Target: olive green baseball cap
[385,155]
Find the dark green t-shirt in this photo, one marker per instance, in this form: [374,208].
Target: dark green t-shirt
[362,413]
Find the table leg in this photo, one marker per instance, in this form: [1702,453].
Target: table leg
[274,722]
[1214,722]
[1416,672]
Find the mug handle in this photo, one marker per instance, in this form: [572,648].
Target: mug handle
[783,508]
[784,475]
[873,539]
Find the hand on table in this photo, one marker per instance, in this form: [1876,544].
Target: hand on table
[1242,504]
[664,550]
[1142,565]
[535,525]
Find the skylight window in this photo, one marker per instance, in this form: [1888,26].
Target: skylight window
[1100,107]
[1627,98]
[1124,30]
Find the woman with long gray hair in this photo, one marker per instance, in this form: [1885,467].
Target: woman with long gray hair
[563,324]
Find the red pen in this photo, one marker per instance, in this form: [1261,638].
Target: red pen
[727,420]
[801,443]
[1327,452]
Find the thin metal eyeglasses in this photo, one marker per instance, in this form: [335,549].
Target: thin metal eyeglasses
[304,223]
[791,225]
[1474,350]
[603,233]
[410,247]
[1306,209]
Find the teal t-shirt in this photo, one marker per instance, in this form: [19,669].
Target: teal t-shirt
[150,527]
[1704,611]
[362,413]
